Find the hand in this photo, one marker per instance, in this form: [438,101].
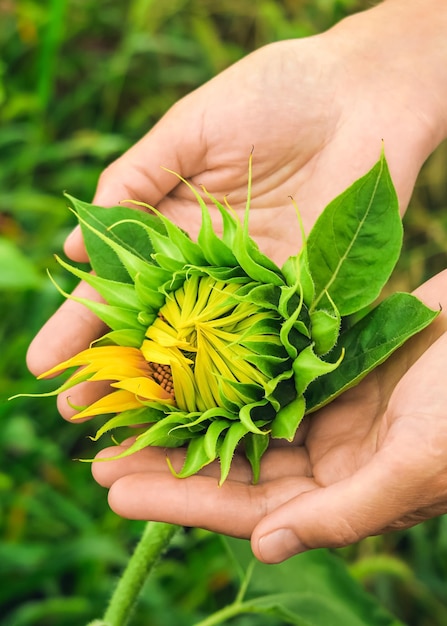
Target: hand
[316,111]
[372,461]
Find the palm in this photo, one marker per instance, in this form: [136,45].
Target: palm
[303,114]
[391,426]
[382,442]
[275,101]
[315,112]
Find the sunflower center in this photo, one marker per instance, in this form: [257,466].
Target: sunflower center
[199,345]
[162,375]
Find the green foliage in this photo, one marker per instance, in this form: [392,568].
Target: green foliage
[362,220]
[79,82]
[307,590]
[345,247]
[369,342]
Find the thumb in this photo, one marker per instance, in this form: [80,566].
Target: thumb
[340,514]
[173,143]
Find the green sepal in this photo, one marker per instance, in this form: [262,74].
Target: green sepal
[308,366]
[163,244]
[280,390]
[296,271]
[270,366]
[254,263]
[127,337]
[287,420]
[157,434]
[225,274]
[168,263]
[114,317]
[145,291]
[255,446]
[215,250]
[196,458]
[230,222]
[265,296]
[212,436]
[270,347]
[325,328]
[189,251]
[233,436]
[245,392]
[287,330]
[246,419]
[114,293]
[133,417]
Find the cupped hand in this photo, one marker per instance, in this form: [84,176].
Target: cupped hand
[314,110]
[373,460]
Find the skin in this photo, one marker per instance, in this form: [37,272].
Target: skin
[315,111]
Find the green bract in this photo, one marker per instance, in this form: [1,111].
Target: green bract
[215,347]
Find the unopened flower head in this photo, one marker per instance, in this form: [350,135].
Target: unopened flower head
[215,348]
[210,343]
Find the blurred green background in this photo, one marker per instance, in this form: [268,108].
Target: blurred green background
[80,81]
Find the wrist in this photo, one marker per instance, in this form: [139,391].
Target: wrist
[402,46]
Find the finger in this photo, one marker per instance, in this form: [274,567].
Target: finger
[157,460]
[340,514]
[233,509]
[69,331]
[276,464]
[173,143]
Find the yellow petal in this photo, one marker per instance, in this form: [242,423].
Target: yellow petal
[114,402]
[97,357]
[146,389]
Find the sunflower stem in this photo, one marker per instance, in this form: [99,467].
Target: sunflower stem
[152,544]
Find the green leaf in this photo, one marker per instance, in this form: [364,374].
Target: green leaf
[355,243]
[102,258]
[314,588]
[370,342]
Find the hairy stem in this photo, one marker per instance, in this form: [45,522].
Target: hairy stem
[152,544]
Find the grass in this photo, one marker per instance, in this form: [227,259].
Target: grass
[80,81]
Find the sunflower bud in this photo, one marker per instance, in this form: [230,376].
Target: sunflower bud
[211,345]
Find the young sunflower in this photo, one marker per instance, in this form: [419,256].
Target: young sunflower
[211,345]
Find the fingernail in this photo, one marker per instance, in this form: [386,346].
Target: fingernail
[279,545]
